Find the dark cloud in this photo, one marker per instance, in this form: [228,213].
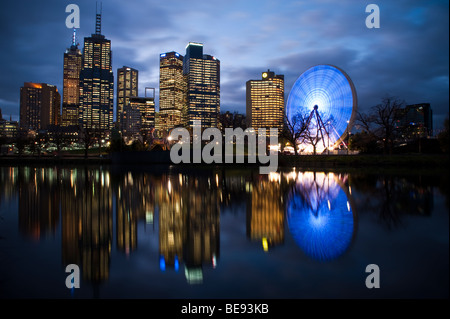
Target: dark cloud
[407,57]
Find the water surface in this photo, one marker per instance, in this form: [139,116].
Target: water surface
[166,232]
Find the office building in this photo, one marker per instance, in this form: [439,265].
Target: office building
[139,117]
[97,82]
[202,73]
[172,92]
[416,120]
[265,102]
[40,105]
[73,62]
[127,86]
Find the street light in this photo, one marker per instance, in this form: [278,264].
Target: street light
[347,135]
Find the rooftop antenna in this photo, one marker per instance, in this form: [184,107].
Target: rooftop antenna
[98,19]
[74,37]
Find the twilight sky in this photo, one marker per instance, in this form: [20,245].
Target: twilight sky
[407,57]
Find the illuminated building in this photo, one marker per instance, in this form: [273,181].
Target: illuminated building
[73,61]
[139,116]
[97,82]
[203,85]
[9,129]
[265,102]
[127,86]
[39,106]
[416,120]
[172,92]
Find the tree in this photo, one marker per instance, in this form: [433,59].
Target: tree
[364,142]
[117,144]
[382,122]
[59,138]
[21,141]
[295,128]
[312,137]
[87,138]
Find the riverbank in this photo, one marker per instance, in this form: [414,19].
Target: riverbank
[403,161]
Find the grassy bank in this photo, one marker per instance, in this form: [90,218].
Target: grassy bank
[404,161]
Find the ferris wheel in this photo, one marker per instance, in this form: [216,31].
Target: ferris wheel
[325,98]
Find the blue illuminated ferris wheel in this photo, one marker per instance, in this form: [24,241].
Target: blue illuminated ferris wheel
[325,98]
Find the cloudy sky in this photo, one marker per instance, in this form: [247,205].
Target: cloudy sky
[406,57]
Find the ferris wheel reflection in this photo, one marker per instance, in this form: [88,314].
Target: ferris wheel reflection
[320,215]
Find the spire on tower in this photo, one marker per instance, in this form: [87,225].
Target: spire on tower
[98,20]
[74,37]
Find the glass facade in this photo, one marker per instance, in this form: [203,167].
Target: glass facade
[97,84]
[172,92]
[73,62]
[127,86]
[265,102]
[139,116]
[203,86]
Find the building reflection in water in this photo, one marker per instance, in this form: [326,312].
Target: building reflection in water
[39,201]
[265,212]
[87,217]
[189,224]
[317,207]
[320,215]
[134,201]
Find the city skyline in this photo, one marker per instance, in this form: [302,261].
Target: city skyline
[406,57]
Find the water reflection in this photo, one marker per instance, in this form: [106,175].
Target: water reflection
[320,215]
[265,212]
[92,205]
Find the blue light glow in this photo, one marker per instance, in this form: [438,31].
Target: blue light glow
[162,263]
[320,218]
[332,90]
[176,263]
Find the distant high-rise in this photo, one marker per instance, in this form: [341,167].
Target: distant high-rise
[97,82]
[139,116]
[203,85]
[40,105]
[127,86]
[416,120]
[172,92]
[73,62]
[265,102]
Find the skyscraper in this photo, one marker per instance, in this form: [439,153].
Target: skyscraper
[97,82]
[416,120]
[265,102]
[40,105]
[172,91]
[73,61]
[139,117]
[203,85]
[127,86]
